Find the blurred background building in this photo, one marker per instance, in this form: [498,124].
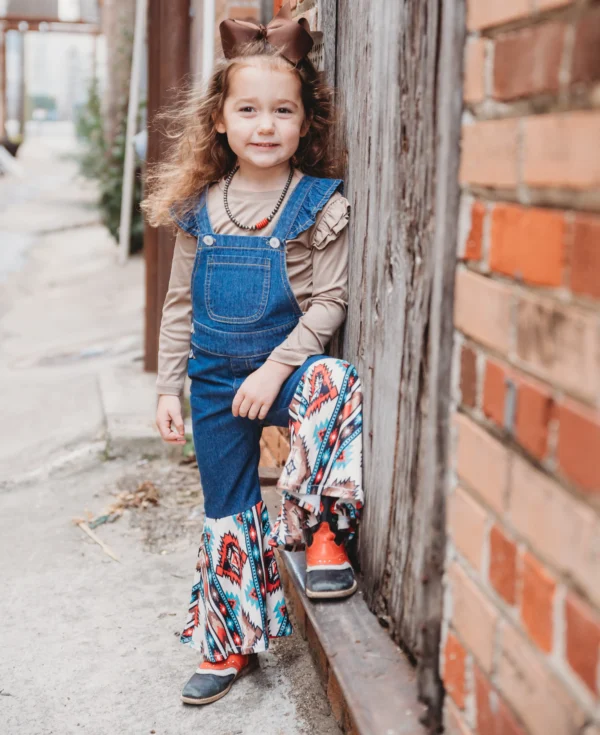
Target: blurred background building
[51,52]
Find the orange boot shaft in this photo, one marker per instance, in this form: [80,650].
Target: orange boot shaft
[323,551]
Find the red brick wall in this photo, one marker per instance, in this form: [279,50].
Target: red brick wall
[522,609]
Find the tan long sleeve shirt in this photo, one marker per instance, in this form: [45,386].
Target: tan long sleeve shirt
[317,265]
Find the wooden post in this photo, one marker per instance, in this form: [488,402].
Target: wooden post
[168,63]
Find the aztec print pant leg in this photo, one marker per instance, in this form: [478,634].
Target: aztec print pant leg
[325,459]
[237,601]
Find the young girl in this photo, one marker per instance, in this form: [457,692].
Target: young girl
[258,286]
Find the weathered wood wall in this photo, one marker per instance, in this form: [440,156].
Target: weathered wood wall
[388,58]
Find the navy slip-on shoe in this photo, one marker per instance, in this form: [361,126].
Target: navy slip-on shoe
[213,681]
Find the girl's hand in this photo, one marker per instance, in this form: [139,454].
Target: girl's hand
[168,419]
[256,394]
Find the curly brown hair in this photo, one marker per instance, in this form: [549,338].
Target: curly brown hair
[198,155]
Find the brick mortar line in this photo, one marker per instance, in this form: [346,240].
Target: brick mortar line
[500,604]
[489,61]
[509,612]
[565,70]
[523,368]
[522,188]
[576,97]
[586,201]
[486,236]
[470,708]
[508,442]
[556,394]
[526,371]
[521,550]
[560,295]
[511,444]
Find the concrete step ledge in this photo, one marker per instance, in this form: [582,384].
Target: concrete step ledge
[370,684]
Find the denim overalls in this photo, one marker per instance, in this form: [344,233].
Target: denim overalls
[243,307]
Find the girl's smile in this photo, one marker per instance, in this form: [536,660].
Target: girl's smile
[263,118]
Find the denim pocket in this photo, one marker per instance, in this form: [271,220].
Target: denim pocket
[237,287]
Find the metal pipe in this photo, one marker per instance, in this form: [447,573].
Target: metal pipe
[141,14]
[208,39]
[3,114]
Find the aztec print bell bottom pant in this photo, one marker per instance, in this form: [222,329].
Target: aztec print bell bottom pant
[237,601]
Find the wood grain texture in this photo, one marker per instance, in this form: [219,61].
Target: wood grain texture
[390,56]
[328,25]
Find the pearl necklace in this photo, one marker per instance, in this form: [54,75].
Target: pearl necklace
[263,222]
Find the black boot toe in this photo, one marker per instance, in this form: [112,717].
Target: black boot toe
[330,583]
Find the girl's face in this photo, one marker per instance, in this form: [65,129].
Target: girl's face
[263,115]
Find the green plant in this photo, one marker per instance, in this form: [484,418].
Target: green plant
[105,163]
[111,190]
[89,130]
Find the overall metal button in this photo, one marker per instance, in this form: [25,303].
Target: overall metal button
[274,242]
[208,239]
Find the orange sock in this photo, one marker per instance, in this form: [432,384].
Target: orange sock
[234,660]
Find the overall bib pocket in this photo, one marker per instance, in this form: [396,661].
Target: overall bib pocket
[237,287]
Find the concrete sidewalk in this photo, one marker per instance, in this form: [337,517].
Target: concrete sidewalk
[90,644]
[71,319]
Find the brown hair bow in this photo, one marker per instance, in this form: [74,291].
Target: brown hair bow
[292,38]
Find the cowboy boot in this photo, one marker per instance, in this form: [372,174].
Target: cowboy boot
[212,681]
[329,573]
